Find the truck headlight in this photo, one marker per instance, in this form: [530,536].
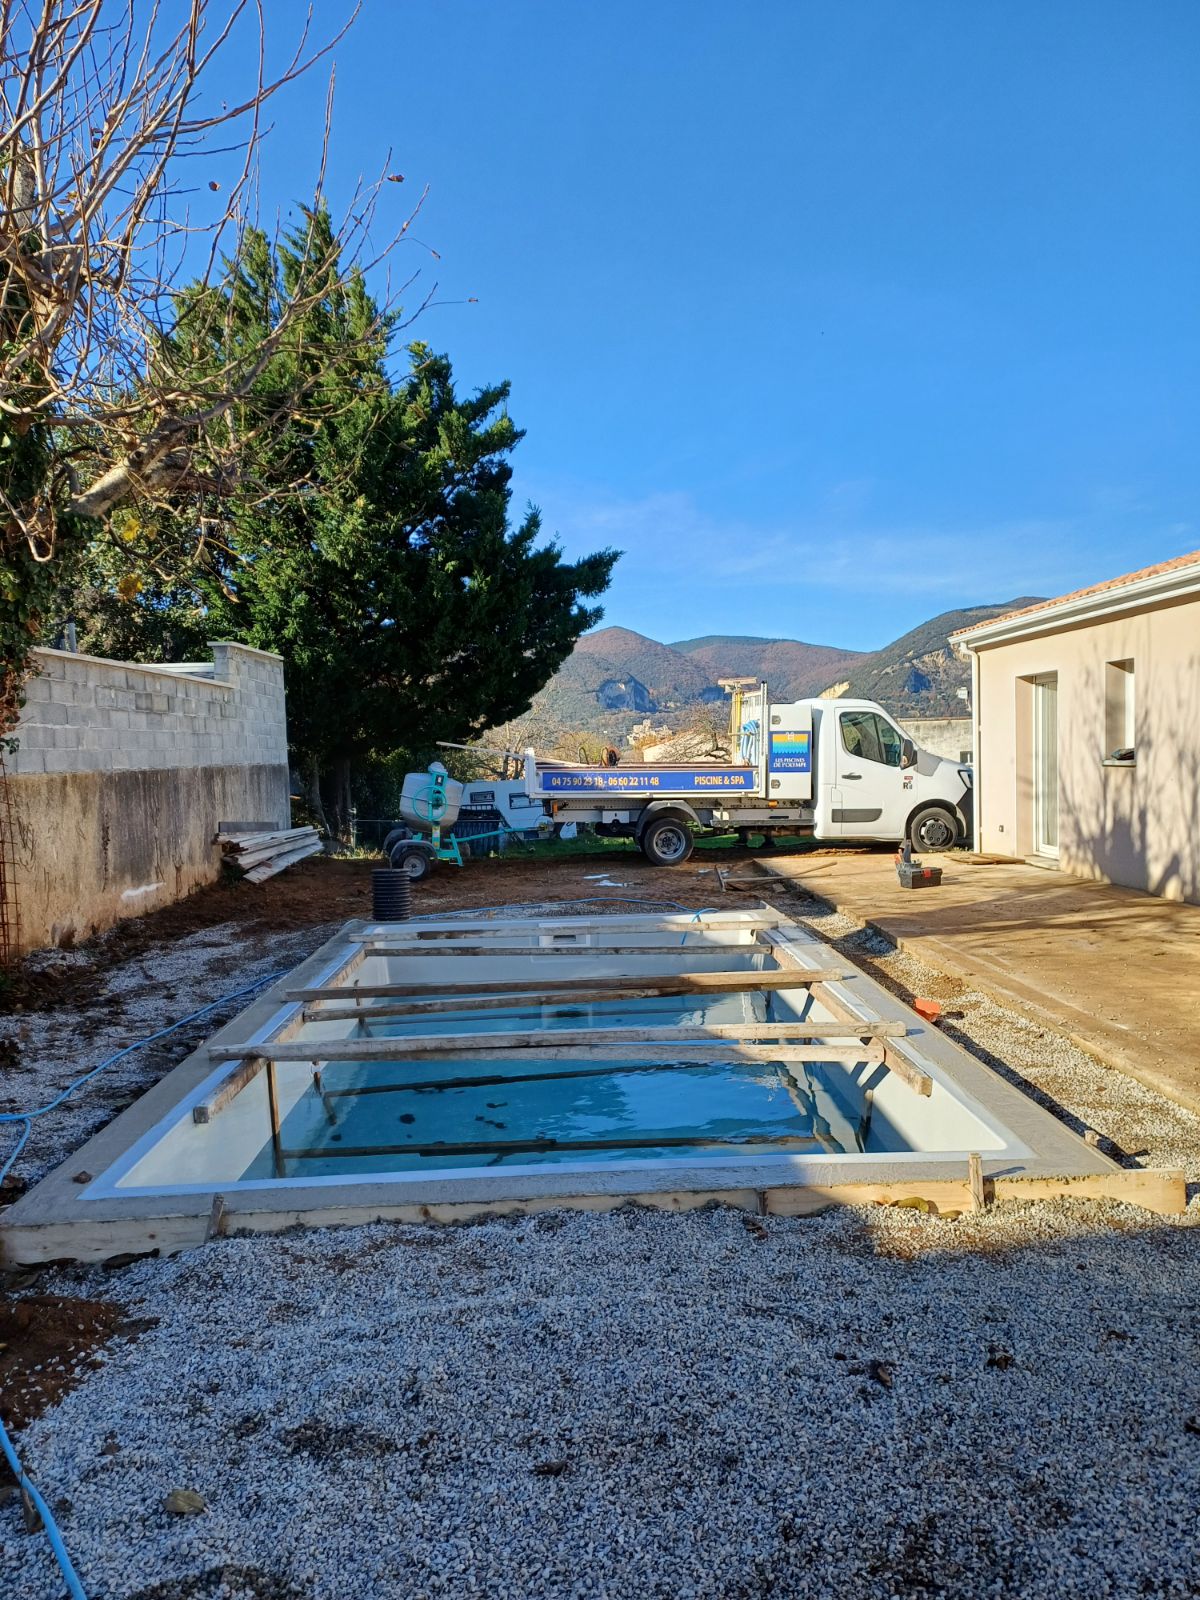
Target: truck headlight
[967,774]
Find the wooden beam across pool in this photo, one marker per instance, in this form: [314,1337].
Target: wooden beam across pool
[473,949]
[869,1050]
[701,1053]
[403,1047]
[527,927]
[635,985]
[564,1000]
[500,1148]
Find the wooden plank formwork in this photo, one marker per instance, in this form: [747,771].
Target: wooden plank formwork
[1159,1191]
[639,985]
[471,948]
[505,928]
[686,1036]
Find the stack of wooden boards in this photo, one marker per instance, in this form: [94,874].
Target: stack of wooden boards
[262,855]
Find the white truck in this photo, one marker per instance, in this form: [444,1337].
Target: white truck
[833,769]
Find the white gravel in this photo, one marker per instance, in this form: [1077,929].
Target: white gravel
[137,998]
[644,1406]
[867,1405]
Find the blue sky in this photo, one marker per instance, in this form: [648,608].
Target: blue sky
[831,316]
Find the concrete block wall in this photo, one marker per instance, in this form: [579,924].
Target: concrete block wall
[123,774]
[85,714]
[941,736]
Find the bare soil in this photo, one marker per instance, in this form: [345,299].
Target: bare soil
[48,1346]
[326,889]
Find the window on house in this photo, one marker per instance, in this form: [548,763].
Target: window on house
[1120,742]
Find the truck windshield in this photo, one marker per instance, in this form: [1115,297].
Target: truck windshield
[871,737]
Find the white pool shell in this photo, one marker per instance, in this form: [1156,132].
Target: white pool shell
[169,1169]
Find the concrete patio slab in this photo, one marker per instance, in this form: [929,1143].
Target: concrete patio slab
[1115,970]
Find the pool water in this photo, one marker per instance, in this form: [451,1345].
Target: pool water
[442,1113]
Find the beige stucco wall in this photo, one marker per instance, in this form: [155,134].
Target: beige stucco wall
[1138,826]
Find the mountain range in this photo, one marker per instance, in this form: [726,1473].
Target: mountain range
[615,677]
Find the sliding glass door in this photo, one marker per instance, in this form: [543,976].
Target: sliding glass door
[1045,765]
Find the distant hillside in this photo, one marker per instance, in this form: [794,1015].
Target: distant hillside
[918,674]
[793,670]
[614,655]
[615,678]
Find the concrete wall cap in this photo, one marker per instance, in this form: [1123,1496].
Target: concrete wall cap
[235,644]
[153,668]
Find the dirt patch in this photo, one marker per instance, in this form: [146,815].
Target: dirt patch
[48,1346]
[327,890]
[315,891]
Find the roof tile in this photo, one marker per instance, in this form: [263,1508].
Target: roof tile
[1192,559]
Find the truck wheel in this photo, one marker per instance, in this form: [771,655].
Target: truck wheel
[667,842]
[417,863]
[933,828]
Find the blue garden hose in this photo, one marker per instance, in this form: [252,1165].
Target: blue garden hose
[27,1117]
[74,1588]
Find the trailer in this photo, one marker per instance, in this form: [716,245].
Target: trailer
[830,769]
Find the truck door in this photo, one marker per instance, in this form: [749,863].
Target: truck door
[868,799]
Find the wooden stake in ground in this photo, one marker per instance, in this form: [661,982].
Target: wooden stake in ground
[975,1179]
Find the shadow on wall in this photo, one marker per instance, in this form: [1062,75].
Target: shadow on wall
[1140,825]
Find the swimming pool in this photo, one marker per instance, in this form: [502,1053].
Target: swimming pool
[505,1083]
[437,1071]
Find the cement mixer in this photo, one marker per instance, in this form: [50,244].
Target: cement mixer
[430,803]
[431,799]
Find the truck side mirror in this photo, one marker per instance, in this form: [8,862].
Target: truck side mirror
[908,753]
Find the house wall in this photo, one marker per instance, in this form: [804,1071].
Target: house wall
[123,774]
[1138,826]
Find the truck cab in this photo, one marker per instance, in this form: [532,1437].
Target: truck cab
[872,782]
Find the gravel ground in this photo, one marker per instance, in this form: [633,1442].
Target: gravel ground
[870,1404]
[135,999]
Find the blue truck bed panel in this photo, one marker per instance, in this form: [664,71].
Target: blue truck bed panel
[633,782]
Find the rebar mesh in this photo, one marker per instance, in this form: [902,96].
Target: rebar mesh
[10,921]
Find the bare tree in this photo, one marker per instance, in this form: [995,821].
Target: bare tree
[108,107]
